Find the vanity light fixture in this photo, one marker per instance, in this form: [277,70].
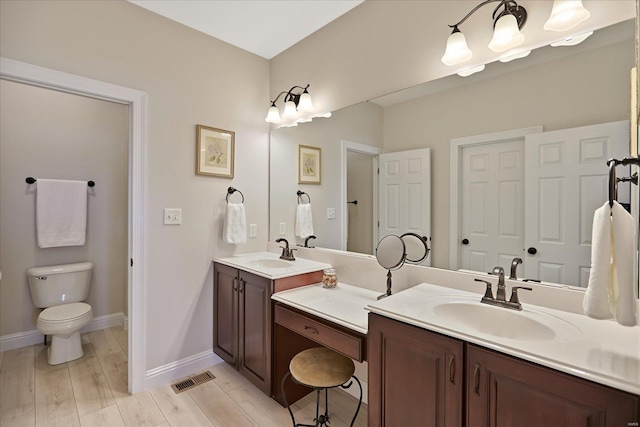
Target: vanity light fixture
[297,100]
[508,19]
[566,14]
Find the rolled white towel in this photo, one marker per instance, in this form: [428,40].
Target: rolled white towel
[235,224]
[622,297]
[596,299]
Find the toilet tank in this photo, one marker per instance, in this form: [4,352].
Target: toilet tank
[59,284]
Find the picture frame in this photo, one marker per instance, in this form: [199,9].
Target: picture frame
[215,153]
[309,165]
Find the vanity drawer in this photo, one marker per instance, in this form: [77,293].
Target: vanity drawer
[351,344]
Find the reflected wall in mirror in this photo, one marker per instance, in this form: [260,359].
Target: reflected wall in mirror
[556,88]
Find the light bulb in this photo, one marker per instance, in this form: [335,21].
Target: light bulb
[457,50]
[289,110]
[273,116]
[305,103]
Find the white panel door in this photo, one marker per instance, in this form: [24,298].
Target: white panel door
[566,181]
[405,193]
[492,205]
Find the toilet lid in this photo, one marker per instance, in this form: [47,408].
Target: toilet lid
[65,312]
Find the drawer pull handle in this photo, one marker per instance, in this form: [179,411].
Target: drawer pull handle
[241,287]
[235,283]
[476,378]
[452,368]
[311,330]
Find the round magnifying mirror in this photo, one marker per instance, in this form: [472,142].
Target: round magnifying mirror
[416,247]
[391,252]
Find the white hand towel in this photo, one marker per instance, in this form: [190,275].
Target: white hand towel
[304,221]
[235,224]
[596,299]
[610,289]
[622,297]
[61,213]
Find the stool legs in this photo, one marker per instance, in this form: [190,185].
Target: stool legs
[320,420]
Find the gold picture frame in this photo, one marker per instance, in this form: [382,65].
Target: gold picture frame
[309,165]
[214,151]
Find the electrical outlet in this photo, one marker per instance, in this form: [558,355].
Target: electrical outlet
[253,230]
[331,213]
[283,228]
[172,216]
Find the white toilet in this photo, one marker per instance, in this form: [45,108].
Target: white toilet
[59,289]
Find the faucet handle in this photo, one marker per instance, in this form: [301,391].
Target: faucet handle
[514,293]
[488,293]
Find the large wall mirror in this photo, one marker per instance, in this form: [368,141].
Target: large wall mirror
[553,89]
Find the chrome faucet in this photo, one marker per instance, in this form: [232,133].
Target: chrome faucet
[287,254]
[500,299]
[514,266]
[306,241]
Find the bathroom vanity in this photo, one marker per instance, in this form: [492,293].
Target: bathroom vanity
[242,324]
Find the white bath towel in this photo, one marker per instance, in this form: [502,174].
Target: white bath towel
[235,224]
[61,213]
[610,289]
[304,221]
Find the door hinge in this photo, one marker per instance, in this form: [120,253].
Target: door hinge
[131,262]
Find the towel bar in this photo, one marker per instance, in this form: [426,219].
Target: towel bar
[32,180]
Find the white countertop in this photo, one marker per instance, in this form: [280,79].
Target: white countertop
[269,265]
[598,350]
[344,304]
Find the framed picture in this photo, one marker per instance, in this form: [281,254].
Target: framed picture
[214,151]
[309,166]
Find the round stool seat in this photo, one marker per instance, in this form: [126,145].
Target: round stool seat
[321,367]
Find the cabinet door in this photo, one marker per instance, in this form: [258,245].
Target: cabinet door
[415,376]
[255,329]
[505,391]
[225,312]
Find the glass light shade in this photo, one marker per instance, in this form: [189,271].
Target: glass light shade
[289,110]
[305,103]
[565,15]
[506,34]
[572,41]
[273,116]
[469,71]
[457,50]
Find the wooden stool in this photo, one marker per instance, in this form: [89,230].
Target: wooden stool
[321,368]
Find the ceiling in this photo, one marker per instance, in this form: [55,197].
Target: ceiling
[263,27]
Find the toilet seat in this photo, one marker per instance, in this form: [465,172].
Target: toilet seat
[65,313]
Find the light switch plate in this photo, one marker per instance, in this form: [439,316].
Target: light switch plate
[253,230]
[283,228]
[172,216]
[331,213]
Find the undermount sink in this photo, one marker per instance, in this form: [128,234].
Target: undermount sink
[269,263]
[503,323]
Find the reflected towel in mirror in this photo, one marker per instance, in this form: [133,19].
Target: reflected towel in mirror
[304,221]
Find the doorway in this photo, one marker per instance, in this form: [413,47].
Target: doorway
[136,101]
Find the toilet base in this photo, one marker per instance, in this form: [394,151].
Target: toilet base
[64,348]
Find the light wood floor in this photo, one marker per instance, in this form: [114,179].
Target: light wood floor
[92,391]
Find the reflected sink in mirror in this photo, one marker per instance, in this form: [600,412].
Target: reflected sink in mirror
[269,263]
[527,325]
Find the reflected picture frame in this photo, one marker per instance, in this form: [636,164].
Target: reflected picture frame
[215,151]
[309,165]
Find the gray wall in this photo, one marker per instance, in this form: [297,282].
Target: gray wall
[50,134]
[190,78]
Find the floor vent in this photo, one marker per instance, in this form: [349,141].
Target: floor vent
[192,381]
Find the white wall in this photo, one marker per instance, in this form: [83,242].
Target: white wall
[190,79]
[50,134]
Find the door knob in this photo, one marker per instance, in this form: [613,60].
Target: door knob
[465,241]
[532,251]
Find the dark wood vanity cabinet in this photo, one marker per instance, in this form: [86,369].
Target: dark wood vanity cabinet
[242,323]
[505,391]
[415,376]
[421,378]
[242,319]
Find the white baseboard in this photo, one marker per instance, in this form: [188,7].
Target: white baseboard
[33,337]
[180,369]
